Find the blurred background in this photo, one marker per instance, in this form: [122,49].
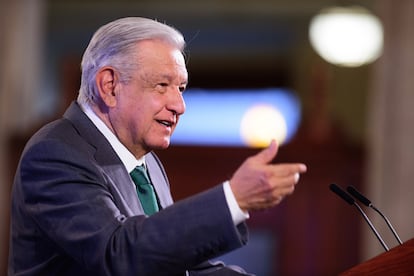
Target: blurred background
[351,123]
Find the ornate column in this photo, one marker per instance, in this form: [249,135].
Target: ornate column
[21,41]
[390,175]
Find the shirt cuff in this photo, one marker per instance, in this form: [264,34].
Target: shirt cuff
[237,214]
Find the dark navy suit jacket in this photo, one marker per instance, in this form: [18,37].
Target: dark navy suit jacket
[75,212]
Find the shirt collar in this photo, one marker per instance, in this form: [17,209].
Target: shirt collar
[127,158]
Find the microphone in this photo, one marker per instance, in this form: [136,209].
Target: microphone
[353,191]
[342,194]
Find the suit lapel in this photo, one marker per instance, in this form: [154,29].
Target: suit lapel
[118,178]
[120,182]
[159,181]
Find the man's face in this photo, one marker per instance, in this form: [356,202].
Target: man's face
[149,106]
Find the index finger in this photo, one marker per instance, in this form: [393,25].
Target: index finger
[285,169]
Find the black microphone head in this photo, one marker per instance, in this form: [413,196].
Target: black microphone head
[358,195]
[341,193]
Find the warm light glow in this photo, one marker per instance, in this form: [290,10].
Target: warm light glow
[219,117]
[262,123]
[346,36]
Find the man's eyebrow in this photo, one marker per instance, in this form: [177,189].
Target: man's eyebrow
[171,78]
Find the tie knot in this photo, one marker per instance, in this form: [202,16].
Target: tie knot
[139,175]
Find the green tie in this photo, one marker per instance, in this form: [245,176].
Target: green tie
[145,190]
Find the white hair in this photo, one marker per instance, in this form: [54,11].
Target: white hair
[114,44]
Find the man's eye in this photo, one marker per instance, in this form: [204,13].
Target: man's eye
[162,87]
[182,88]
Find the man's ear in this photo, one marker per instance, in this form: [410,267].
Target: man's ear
[106,81]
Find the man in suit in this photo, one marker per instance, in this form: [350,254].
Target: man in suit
[75,208]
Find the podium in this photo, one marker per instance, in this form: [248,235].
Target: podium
[398,261]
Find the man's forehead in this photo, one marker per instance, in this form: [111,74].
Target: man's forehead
[159,51]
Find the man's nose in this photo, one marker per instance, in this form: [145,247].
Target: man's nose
[176,102]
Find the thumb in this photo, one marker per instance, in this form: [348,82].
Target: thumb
[266,155]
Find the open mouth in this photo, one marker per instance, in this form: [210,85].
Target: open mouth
[165,123]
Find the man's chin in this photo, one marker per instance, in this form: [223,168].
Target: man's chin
[162,145]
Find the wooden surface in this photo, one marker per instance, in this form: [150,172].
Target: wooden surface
[398,261]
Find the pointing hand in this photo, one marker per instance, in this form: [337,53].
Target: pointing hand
[258,184]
